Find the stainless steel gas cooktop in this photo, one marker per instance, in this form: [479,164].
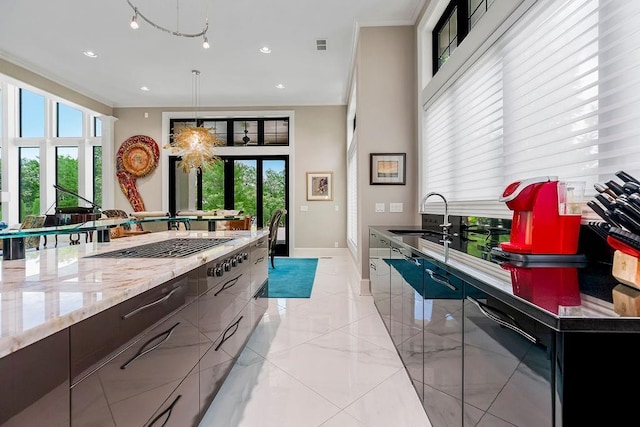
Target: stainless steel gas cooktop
[172,248]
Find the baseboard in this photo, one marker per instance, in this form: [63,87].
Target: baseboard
[318,252]
[365,287]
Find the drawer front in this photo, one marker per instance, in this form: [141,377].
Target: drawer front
[35,381]
[220,305]
[132,386]
[96,339]
[182,408]
[218,360]
[258,260]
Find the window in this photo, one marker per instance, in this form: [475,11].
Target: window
[31,114]
[554,95]
[69,121]
[97,175]
[67,175]
[97,127]
[29,171]
[245,132]
[458,19]
[53,142]
[241,132]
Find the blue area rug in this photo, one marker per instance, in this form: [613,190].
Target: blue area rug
[292,277]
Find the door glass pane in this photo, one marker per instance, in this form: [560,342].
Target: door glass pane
[244,186]
[97,127]
[31,114]
[213,187]
[29,181]
[67,175]
[273,193]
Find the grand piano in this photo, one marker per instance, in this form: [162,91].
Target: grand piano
[65,215]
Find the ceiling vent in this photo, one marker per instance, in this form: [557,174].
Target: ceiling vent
[321,44]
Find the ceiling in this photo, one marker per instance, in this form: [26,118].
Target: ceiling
[49,37]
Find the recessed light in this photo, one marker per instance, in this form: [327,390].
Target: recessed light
[144,88]
[90,54]
[280,86]
[265,49]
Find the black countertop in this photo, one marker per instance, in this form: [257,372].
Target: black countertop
[570,297]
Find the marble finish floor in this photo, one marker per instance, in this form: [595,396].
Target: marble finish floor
[321,361]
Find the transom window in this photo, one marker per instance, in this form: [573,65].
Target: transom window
[458,19]
[240,132]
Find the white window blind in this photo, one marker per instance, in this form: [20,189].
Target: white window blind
[352,194]
[557,94]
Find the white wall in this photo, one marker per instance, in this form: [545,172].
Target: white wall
[318,145]
[386,95]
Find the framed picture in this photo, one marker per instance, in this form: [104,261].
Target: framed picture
[388,169]
[319,185]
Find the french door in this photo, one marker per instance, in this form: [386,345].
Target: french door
[257,185]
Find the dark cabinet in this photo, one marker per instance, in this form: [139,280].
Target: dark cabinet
[379,269]
[442,350]
[182,408]
[133,380]
[508,364]
[229,312]
[35,384]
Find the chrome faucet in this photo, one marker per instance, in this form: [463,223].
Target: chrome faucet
[445,223]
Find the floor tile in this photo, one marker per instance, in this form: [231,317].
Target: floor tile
[323,361]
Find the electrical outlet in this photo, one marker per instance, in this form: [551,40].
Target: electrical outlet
[379,207]
[335,244]
[395,207]
[337,208]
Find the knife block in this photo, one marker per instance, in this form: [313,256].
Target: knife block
[626,269]
[626,301]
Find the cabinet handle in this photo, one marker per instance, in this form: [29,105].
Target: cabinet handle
[413,260]
[142,351]
[259,260]
[384,242]
[396,250]
[151,304]
[225,337]
[261,292]
[438,278]
[230,283]
[498,320]
[167,411]
[373,266]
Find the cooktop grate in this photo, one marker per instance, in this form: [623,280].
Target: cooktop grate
[172,248]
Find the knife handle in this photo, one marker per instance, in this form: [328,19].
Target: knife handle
[615,187]
[607,202]
[602,213]
[626,220]
[631,187]
[626,177]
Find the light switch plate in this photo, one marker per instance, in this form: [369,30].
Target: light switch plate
[304,208]
[395,207]
[379,207]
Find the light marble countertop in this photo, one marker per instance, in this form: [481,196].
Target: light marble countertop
[51,289]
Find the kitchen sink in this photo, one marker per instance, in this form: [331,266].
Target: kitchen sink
[408,232]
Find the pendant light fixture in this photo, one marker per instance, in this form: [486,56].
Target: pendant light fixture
[195,144]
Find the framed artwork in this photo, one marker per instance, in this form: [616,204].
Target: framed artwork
[388,169]
[319,185]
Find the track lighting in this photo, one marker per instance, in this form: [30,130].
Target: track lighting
[134,24]
[134,21]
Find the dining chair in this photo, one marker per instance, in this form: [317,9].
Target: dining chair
[235,224]
[273,233]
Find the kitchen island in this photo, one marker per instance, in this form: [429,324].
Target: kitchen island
[497,343]
[83,326]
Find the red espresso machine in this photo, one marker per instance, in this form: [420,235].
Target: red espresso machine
[542,223]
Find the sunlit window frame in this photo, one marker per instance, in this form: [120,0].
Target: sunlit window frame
[10,142]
